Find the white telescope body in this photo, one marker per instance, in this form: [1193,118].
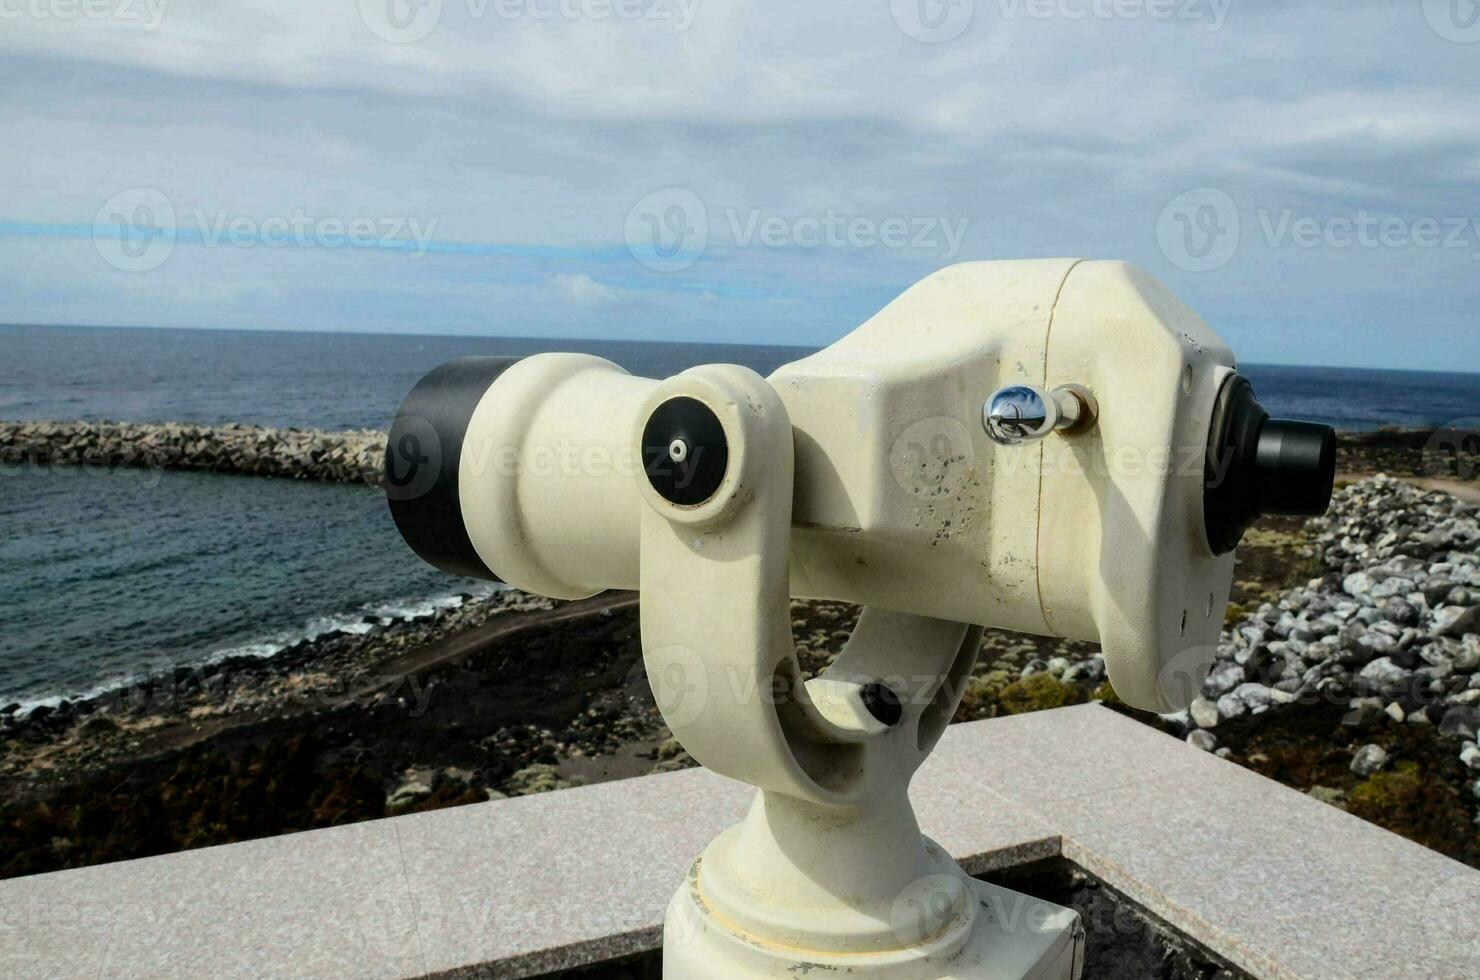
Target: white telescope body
[901,499]
[1058,447]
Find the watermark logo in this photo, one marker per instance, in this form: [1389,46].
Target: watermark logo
[146,15]
[927,907]
[387,923]
[413,458]
[1198,230]
[1454,20]
[1453,451]
[668,230]
[144,465]
[932,21]
[932,457]
[134,230]
[680,684]
[938,21]
[390,233]
[1181,677]
[401,21]
[408,21]
[1213,12]
[1367,230]
[940,235]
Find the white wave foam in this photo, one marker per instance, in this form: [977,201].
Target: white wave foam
[358,623]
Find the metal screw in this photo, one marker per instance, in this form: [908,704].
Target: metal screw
[1022,413]
[882,703]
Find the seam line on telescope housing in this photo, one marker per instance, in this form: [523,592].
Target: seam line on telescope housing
[1053,311]
[422,457]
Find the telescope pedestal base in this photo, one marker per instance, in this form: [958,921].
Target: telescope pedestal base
[859,892]
[1013,937]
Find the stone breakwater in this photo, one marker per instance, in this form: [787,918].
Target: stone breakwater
[1418,452]
[299,454]
[356,456]
[1391,631]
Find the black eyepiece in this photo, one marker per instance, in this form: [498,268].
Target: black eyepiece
[422,454]
[1295,468]
[1259,466]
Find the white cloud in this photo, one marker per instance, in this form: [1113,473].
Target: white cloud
[582,290]
[1049,136]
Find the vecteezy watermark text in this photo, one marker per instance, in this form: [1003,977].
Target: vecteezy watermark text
[408,21]
[1202,229]
[147,15]
[137,230]
[835,230]
[937,21]
[1213,13]
[222,226]
[669,230]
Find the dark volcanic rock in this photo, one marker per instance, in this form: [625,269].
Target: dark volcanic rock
[1460,720]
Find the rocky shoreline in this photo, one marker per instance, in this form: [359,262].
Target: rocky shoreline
[1346,670]
[1446,452]
[1385,642]
[1358,684]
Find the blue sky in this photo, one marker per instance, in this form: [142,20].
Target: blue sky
[1305,175]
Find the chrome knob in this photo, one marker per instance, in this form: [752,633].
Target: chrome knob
[1022,413]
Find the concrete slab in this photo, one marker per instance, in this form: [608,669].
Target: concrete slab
[542,882]
[322,903]
[1278,883]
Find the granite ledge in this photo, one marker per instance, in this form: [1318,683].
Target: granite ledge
[1292,889]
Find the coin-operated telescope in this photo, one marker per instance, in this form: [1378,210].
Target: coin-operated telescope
[1056,447]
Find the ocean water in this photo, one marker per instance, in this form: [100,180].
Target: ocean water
[114,576]
[352,381]
[316,380]
[107,577]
